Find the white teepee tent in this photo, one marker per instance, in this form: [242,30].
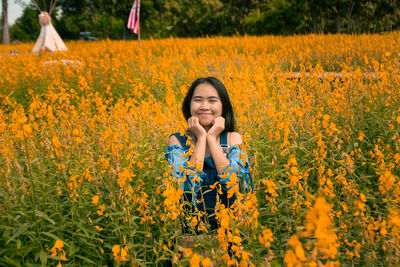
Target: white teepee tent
[48,39]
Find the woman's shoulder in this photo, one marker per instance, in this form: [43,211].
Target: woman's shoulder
[176,139]
[173,140]
[234,138]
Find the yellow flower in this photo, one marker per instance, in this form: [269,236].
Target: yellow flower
[298,248]
[194,222]
[237,240]
[59,244]
[266,238]
[195,260]
[291,260]
[271,187]
[124,254]
[58,247]
[187,252]
[115,249]
[101,209]
[206,262]
[63,257]
[95,200]
[27,129]
[119,254]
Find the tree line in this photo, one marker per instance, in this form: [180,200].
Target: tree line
[196,18]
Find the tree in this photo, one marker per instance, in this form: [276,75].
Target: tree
[338,9]
[235,14]
[279,17]
[26,28]
[192,18]
[6,34]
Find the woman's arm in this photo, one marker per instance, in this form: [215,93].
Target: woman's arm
[236,162]
[219,158]
[188,176]
[239,165]
[197,159]
[199,153]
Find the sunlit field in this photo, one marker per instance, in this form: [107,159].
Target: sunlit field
[84,180]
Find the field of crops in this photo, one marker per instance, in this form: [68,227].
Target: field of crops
[84,181]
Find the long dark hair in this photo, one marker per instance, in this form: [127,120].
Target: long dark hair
[227,111]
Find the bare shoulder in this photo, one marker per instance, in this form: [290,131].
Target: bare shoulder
[173,141]
[235,138]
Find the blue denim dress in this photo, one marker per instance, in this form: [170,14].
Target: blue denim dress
[197,184]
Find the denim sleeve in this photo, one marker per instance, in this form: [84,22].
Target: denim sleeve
[239,164]
[178,162]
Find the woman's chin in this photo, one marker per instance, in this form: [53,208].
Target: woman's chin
[206,124]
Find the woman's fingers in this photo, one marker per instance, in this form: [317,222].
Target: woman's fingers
[220,122]
[195,127]
[217,128]
[192,121]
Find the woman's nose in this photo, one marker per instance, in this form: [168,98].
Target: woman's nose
[204,106]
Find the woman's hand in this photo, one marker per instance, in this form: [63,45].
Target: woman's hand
[195,127]
[217,128]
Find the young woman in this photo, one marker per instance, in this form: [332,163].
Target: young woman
[217,149]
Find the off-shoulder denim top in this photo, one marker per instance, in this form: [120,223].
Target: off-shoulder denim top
[196,184]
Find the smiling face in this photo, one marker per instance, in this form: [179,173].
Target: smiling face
[205,104]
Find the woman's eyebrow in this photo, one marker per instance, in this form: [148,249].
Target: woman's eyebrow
[209,97]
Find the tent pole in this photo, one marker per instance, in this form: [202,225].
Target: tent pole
[37,6]
[52,6]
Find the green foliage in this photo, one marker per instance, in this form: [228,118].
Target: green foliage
[27,27]
[184,18]
[278,17]
[96,111]
[108,26]
[193,18]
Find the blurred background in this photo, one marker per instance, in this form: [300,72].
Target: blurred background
[199,18]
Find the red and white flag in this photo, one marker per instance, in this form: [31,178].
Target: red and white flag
[133,21]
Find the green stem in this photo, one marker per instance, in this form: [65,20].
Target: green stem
[33,198]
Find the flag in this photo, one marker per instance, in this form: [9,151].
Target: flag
[133,21]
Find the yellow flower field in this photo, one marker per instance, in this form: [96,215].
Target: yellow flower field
[83,179]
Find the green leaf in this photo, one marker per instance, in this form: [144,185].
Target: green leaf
[20,231]
[6,228]
[51,235]
[86,259]
[73,249]
[43,257]
[44,216]
[11,261]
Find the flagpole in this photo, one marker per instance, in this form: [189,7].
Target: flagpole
[133,21]
[139,35]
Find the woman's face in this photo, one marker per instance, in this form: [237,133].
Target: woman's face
[205,104]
